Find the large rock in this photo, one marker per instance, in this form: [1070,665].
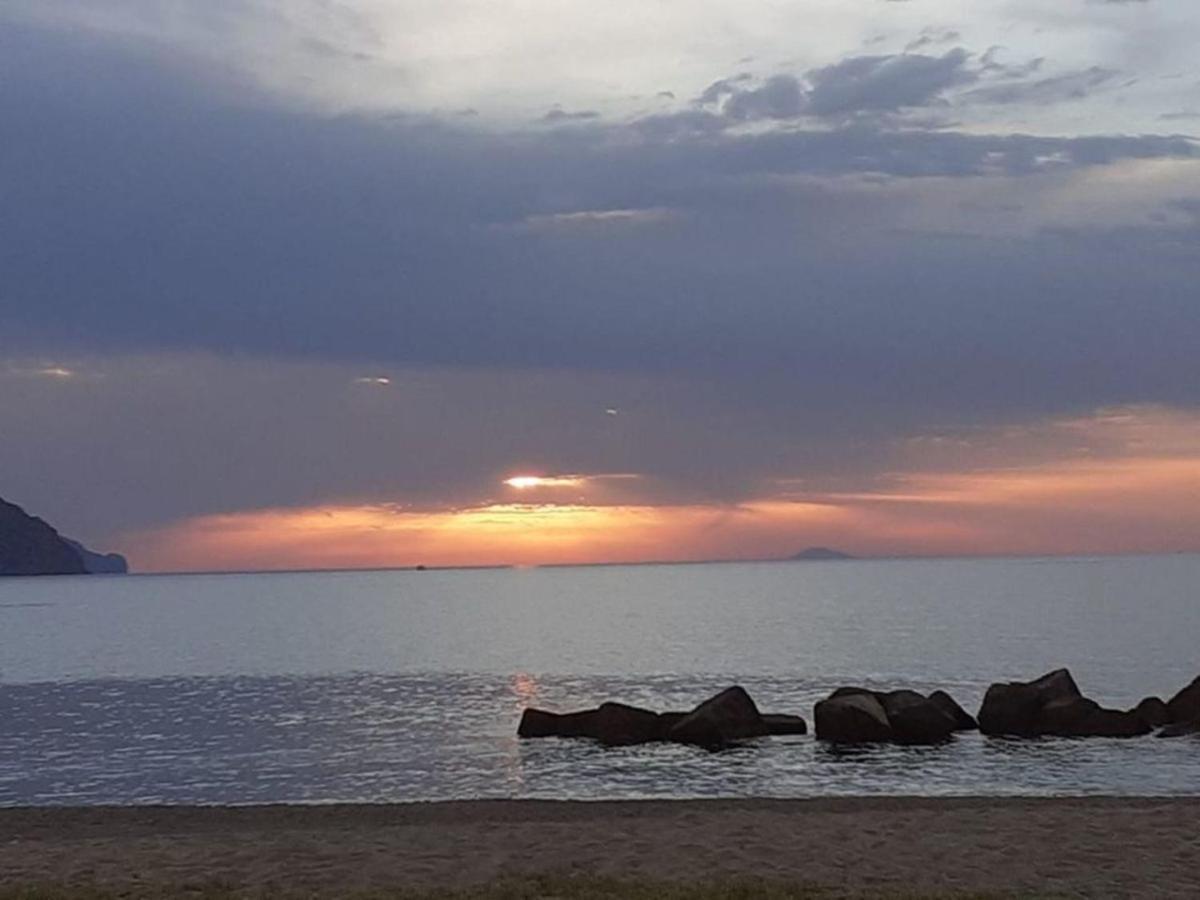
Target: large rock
[1185,706]
[916,719]
[1065,717]
[963,720]
[1015,707]
[537,723]
[1053,705]
[729,716]
[852,717]
[860,715]
[1080,717]
[614,724]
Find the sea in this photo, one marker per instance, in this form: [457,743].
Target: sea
[390,686]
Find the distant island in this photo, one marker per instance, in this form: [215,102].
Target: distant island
[821,553]
[30,546]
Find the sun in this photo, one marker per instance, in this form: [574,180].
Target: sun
[525,482]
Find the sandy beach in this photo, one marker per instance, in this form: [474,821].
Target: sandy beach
[1075,847]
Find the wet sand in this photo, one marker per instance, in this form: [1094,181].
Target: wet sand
[1078,847]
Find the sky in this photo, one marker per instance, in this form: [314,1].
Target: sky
[305,283]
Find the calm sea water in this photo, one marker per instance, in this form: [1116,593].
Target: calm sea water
[395,686]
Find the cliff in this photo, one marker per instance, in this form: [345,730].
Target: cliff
[29,546]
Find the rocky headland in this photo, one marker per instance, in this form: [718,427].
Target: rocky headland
[30,546]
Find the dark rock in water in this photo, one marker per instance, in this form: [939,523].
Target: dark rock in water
[1053,705]
[1065,717]
[1014,708]
[1153,712]
[537,723]
[852,717]
[860,715]
[781,724]
[1080,717]
[616,724]
[1115,723]
[963,720]
[1185,706]
[28,546]
[851,691]
[729,716]
[1180,729]
[915,719]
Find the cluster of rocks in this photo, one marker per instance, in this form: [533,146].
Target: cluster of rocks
[852,715]
[728,717]
[1048,706]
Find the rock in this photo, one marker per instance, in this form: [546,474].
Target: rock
[729,716]
[1185,706]
[851,691]
[1153,712]
[613,724]
[852,717]
[1013,708]
[1180,729]
[1080,717]
[1114,723]
[616,724]
[781,724]
[915,719]
[1053,705]
[963,720]
[1065,717]
[537,723]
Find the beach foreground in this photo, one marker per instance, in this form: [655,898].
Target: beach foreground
[1077,847]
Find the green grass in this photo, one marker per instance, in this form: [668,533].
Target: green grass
[547,887]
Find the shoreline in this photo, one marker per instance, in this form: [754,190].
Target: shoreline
[1089,846]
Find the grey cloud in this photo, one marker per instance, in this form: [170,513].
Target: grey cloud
[779,97]
[886,83]
[146,215]
[1055,89]
[855,86]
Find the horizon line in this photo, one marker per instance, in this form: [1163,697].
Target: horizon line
[630,563]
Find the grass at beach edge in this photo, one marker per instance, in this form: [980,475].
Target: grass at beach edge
[573,887]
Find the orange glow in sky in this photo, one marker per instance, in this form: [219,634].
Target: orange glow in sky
[1112,496]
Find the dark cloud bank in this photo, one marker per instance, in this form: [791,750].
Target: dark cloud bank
[145,213]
